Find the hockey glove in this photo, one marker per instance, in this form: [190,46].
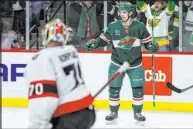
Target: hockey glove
[171,5]
[153,47]
[91,45]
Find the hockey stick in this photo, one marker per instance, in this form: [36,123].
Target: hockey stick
[153,66]
[122,69]
[172,87]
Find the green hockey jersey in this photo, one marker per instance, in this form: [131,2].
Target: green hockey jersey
[126,41]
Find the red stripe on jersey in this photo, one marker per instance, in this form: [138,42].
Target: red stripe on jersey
[114,99]
[51,82]
[137,99]
[43,95]
[73,106]
[147,39]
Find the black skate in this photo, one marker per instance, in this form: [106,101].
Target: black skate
[111,118]
[140,118]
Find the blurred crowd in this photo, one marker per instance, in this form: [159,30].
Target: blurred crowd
[86,21]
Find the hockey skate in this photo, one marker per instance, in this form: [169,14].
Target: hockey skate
[111,118]
[140,119]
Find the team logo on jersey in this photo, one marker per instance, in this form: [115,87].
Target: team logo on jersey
[117,32]
[155,23]
[127,42]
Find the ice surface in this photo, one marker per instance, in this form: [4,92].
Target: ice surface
[18,118]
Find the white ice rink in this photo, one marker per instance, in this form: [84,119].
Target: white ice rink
[18,118]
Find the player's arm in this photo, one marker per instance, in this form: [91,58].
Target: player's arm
[171,7]
[43,95]
[104,39]
[147,41]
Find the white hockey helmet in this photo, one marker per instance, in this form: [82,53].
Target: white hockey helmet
[54,31]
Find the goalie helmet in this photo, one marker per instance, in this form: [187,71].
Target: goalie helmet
[54,31]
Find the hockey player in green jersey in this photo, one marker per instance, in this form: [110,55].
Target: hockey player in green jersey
[126,36]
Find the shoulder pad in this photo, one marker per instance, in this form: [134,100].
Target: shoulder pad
[140,24]
[112,24]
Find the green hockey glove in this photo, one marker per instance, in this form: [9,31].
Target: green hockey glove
[91,45]
[171,5]
[153,47]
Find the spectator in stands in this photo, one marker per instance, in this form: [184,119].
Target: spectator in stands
[10,41]
[173,30]
[188,26]
[71,38]
[19,19]
[112,11]
[73,15]
[88,26]
[36,6]
[161,15]
[6,16]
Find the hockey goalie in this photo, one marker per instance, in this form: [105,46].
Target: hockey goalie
[58,96]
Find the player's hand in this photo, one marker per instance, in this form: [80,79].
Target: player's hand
[171,5]
[91,45]
[153,47]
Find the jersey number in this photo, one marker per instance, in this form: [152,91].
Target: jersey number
[36,89]
[75,70]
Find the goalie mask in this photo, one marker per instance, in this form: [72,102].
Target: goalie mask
[54,31]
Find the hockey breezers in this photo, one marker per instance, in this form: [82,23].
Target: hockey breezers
[122,69]
[172,87]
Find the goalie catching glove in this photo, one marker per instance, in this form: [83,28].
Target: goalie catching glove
[91,45]
[153,47]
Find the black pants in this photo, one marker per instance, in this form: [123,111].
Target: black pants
[83,119]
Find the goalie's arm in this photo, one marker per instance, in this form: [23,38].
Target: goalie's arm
[43,95]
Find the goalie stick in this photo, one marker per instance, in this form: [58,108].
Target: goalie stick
[122,69]
[172,87]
